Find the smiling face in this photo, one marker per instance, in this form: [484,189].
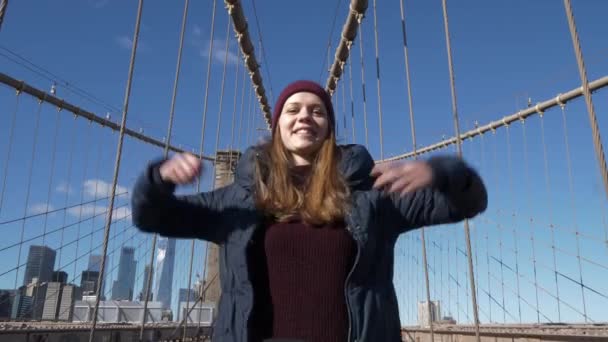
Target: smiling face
[303,126]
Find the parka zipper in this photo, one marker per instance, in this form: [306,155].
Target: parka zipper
[346,282]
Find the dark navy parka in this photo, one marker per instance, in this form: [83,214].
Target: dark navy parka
[227,217]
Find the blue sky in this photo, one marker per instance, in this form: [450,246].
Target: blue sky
[503,55]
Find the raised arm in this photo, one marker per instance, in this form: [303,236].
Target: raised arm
[443,189]
[156,209]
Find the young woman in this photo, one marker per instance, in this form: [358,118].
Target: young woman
[308,228]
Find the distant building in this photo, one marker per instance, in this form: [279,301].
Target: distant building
[165,262]
[144,288]
[40,264]
[60,277]
[122,288]
[7,297]
[89,280]
[423,313]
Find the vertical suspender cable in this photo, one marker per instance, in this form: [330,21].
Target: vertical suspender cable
[121,137]
[236,90]
[551,217]
[28,187]
[413,130]
[378,82]
[360,19]
[222,88]
[148,281]
[201,147]
[459,148]
[11,135]
[352,104]
[67,192]
[407,76]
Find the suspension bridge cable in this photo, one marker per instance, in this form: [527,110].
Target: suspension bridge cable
[236,91]
[52,172]
[352,103]
[148,282]
[88,136]
[80,112]
[222,89]
[217,134]
[238,132]
[597,140]
[208,78]
[413,130]
[344,107]
[29,183]
[540,264]
[459,149]
[527,181]
[410,100]
[361,55]
[97,177]
[50,187]
[500,240]
[493,125]
[331,33]
[476,227]
[242,115]
[564,124]
[121,136]
[573,208]
[250,125]
[514,223]
[67,185]
[198,183]
[11,136]
[550,207]
[381,137]
[547,291]
[263,55]
[335,101]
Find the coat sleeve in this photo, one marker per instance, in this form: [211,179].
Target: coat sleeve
[457,192]
[156,209]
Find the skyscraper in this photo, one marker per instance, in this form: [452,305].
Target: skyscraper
[94,263]
[423,313]
[123,285]
[95,266]
[142,294]
[165,261]
[40,264]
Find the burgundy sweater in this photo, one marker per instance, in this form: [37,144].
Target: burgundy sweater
[298,274]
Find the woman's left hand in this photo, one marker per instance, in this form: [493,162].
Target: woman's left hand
[402,177]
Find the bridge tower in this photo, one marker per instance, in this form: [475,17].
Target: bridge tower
[225,164]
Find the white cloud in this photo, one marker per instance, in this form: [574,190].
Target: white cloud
[40,208]
[97,188]
[126,42]
[197,30]
[64,187]
[219,52]
[97,210]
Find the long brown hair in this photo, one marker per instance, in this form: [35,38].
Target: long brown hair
[321,199]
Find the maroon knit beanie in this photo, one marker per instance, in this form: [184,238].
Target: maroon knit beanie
[303,86]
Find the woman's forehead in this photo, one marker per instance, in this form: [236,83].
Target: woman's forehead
[303,97]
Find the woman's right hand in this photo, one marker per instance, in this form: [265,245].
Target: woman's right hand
[183,168]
